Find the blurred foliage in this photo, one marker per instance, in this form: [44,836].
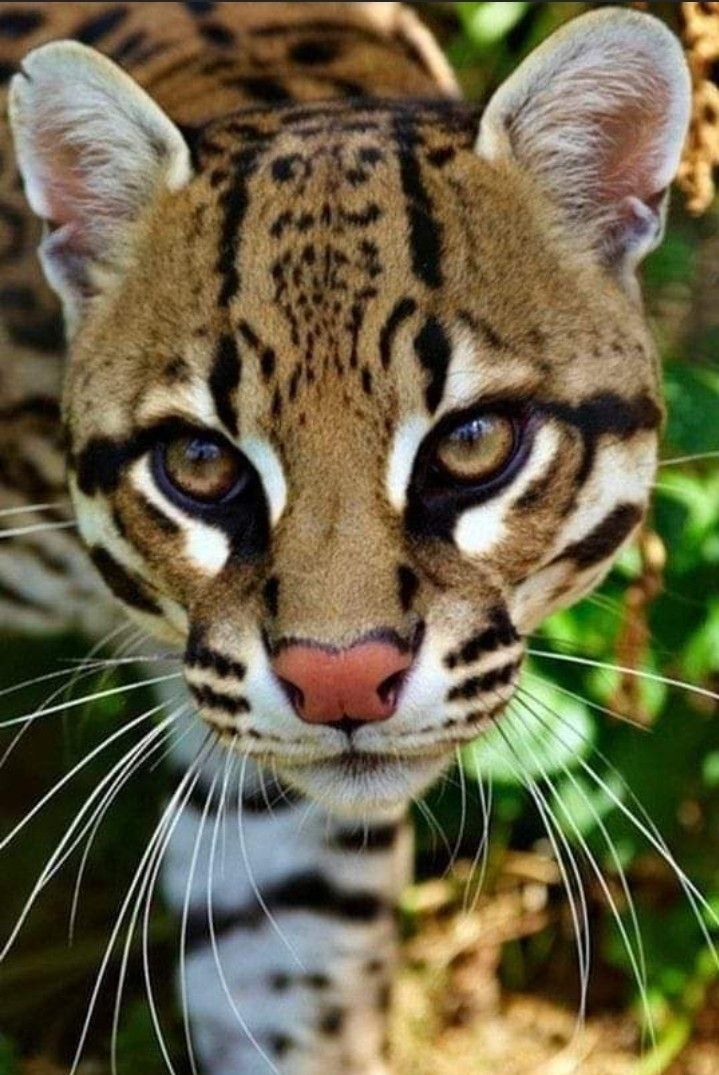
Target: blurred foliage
[669,763]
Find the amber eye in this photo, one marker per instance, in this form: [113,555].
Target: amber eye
[477,450]
[203,469]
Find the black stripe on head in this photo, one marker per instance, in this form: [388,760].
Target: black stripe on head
[404,309]
[224,381]
[126,586]
[434,352]
[425,236]
[235,202]
[604,539]
[93,30]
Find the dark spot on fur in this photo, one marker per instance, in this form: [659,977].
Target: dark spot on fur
[408,584]
[93,30]
[224,380]
[332,1022]
[126,586]
[439,157]
[268,362]
[367,381]
[264,89]
[271,595]
[217,34]
[604,539]
[7,70]
[434,353]
[311,53]
[281,1044]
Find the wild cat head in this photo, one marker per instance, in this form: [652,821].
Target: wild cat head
[359,392]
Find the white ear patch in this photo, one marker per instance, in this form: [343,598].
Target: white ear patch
[481,529]
[407,440]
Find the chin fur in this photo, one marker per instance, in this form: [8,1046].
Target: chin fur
[361,786]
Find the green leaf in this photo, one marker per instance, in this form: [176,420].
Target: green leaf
[487,24]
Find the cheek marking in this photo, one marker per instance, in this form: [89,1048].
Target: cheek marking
[622,473]
[267,464]
[207,547]
[479,530]
[407,440]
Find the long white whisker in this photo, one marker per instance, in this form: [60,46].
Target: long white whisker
[250,873]
[688,459]
[140,759]
[27,509]
[41,528]
[639,673]
[75,702]
[648,829]
[636,956]
[51,866]
[183,929]
[147,856]
[213,939]
[580,918]
[481,856]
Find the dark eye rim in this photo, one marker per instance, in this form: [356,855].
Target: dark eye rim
[181,498]
[436,483]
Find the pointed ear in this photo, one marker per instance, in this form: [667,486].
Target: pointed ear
[598,116]
[93,150]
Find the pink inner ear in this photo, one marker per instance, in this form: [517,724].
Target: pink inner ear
[633,148]
[65,189]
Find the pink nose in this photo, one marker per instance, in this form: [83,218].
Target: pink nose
[328,686]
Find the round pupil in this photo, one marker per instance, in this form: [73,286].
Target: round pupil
[478,449]
[201,469]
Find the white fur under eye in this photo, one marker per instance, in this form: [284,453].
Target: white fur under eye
[407,440]
[206,546]
[480,529]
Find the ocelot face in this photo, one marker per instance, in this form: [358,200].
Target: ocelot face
[360,398]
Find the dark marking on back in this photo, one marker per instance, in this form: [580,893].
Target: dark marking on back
[315,51]
[217,34]
[17,22]
[94,29]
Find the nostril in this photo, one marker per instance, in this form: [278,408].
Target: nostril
[294,693]
[389,688]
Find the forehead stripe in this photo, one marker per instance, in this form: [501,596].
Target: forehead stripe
[224,381]
[235,203]
[404,309]
[434,352]
[424,232]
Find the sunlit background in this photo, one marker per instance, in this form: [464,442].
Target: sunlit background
[621,762]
